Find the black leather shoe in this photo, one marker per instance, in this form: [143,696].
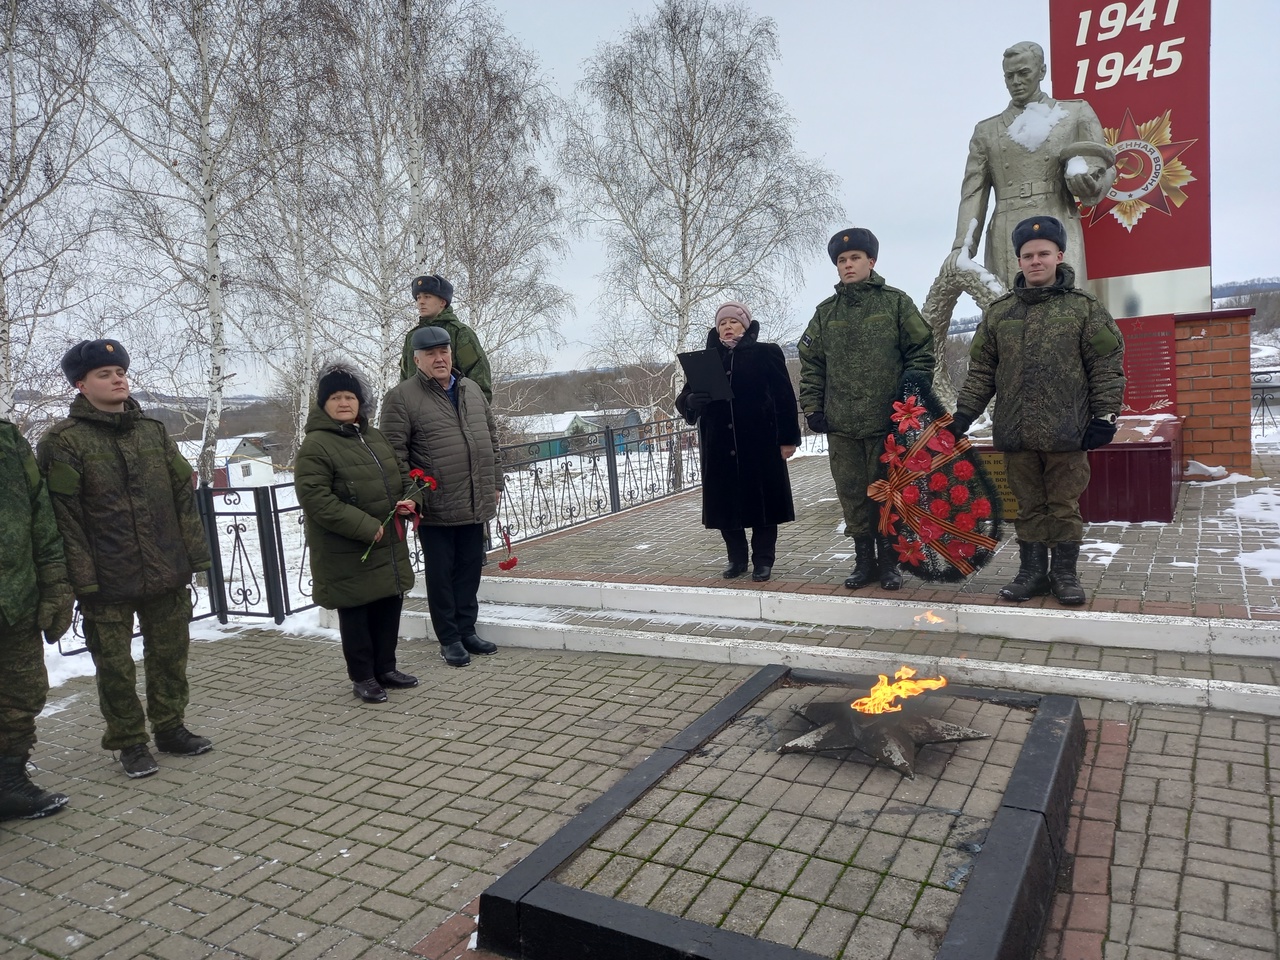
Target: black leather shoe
[734,570]
[370,691]
[182,741]
[474,644]
[394,678]
[455,654]
[762,572]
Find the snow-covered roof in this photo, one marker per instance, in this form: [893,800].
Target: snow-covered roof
[558,423]
[222,451]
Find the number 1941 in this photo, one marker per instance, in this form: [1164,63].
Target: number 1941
[1150,61]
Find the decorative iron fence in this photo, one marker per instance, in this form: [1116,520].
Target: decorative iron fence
[559,483]
[1265,390]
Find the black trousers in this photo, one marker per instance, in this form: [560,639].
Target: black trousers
[370,633]
[764,545]
[452,557]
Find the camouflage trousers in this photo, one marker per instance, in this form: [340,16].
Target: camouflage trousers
[108,633]
[1048,487]
[855,465]
[23,687]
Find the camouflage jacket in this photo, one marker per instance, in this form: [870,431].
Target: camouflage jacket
[468,355]
[30,548]
[1053,358]
[122,494]
[855,351]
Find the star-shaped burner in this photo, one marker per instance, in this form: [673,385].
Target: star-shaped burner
[888,738]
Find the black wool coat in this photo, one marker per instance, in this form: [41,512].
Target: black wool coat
[744,478]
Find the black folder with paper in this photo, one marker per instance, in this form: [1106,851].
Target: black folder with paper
[705,373]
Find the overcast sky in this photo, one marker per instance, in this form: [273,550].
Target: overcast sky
[887,94]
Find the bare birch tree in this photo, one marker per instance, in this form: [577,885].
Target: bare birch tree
[444,180]
[46,138]
[501,225]
[683,158]
[281,226]
[177,101]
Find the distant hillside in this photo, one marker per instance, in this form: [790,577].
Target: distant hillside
[1243,288]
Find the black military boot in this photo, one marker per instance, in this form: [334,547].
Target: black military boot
[1062,575]
[864,563]
[19,797]
[887,557]
[1032,579]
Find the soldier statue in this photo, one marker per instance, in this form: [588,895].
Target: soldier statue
[1039,156]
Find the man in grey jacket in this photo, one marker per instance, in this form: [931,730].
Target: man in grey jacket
[438,421]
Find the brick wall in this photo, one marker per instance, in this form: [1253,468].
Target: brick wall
[1213,388]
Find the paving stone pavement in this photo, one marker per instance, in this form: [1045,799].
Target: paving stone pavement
[1188,567]
[323,827]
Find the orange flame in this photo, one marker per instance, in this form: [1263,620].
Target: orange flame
[882,695]
[927,617]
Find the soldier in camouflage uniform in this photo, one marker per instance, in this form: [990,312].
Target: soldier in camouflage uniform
[35,597]
[122,495]
[854,355]
[1054,360]
[434,297]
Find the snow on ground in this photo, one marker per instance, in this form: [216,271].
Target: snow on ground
[1260,510]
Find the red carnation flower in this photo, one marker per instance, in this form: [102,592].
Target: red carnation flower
[508,563]
[959,495]
[919,461]
[937,482]
[940,509]
[911,494]
[963,470]
[966,550]
[965,521]
[981,508]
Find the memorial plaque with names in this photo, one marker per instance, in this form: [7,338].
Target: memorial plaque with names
[1149,365]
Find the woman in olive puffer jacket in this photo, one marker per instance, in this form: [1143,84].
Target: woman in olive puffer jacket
[348,482]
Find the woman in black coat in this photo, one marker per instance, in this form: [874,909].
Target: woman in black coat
[746,442]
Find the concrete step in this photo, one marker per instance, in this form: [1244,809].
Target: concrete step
[1126,673]
[1216,637]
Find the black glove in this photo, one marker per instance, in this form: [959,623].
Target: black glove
[817,422]
[695,401]
[959,425]
[1098,433]
[55,610]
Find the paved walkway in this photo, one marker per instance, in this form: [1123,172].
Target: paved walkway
[1185,568]
[322,827]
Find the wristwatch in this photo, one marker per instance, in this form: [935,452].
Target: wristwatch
[1109,417]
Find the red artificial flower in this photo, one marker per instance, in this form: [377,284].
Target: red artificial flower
[930,532]
[911,494]
[940,509]
[941,442]
[981,508]
[966,550]
[937,481]
[892,449]
[963,470]
[965,521]
[959,495]
[906,414]
[511,560]
[909,552]
[919,461]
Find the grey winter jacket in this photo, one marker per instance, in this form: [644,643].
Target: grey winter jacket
[458,446]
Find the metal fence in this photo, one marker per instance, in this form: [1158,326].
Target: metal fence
[1265,394]
[260,566]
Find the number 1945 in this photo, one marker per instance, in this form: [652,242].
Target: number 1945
[1148,62]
